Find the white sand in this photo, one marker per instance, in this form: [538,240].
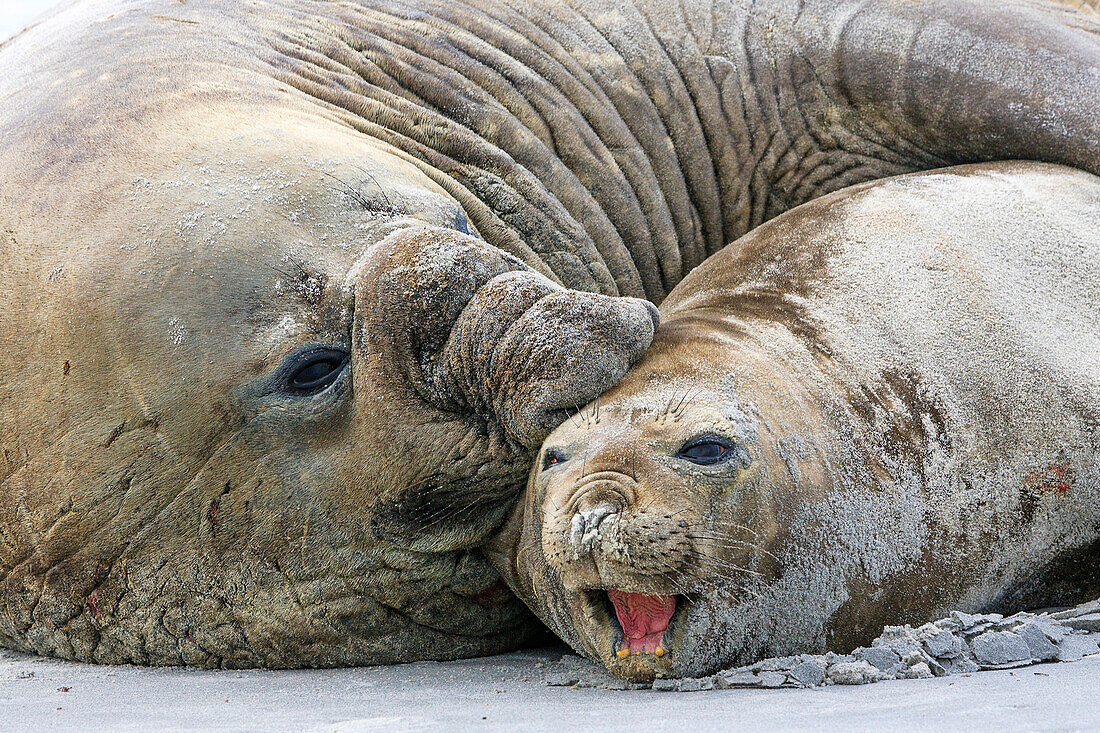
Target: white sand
[508,693]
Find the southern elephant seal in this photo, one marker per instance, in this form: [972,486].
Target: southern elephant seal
[877,407]
[193,197]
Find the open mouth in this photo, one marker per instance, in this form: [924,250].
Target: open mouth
[640,623]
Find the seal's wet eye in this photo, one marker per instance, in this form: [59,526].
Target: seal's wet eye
[315,368]
[552,458]
[706,450]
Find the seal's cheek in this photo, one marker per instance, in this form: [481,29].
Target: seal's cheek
[744,510]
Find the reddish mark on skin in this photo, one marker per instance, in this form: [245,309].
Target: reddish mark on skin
[213,513]
[93,606]
[494,595]
[1052,478]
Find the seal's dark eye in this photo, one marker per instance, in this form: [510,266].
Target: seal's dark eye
[706,450]
[552,457]
[315,369]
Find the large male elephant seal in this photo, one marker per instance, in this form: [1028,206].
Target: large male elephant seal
[877,407]
[256,413]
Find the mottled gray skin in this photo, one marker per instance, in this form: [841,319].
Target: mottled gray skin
[909,373]
[190,193]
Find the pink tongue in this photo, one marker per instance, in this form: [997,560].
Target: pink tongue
[642,616]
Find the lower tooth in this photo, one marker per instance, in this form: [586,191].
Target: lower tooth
[659,651]
[623,653]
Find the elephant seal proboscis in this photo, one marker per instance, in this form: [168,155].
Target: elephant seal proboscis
[283,299]
[877,407]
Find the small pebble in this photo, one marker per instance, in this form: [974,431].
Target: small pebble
[1072,648]
[999,649]
[696,684]
[663,685]
[962,664]
[960,644]
[1042,648]
[1087,622]
[738,678]
[853,673]
[772,679]
[919,671]
[886,659]
[777,664]
[942,643]
[808,674]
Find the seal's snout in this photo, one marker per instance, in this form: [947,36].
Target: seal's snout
[589,525]
[599,503]
[620,544]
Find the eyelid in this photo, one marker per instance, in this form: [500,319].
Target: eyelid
[708,438]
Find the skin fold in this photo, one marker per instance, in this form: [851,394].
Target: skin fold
[904,377]
[445,215]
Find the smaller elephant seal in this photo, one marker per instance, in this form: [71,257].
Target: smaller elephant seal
[877,407]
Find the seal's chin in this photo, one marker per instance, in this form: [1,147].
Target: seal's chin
[636,635]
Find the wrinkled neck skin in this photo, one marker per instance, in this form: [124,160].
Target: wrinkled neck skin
[614,147]
[620,145]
